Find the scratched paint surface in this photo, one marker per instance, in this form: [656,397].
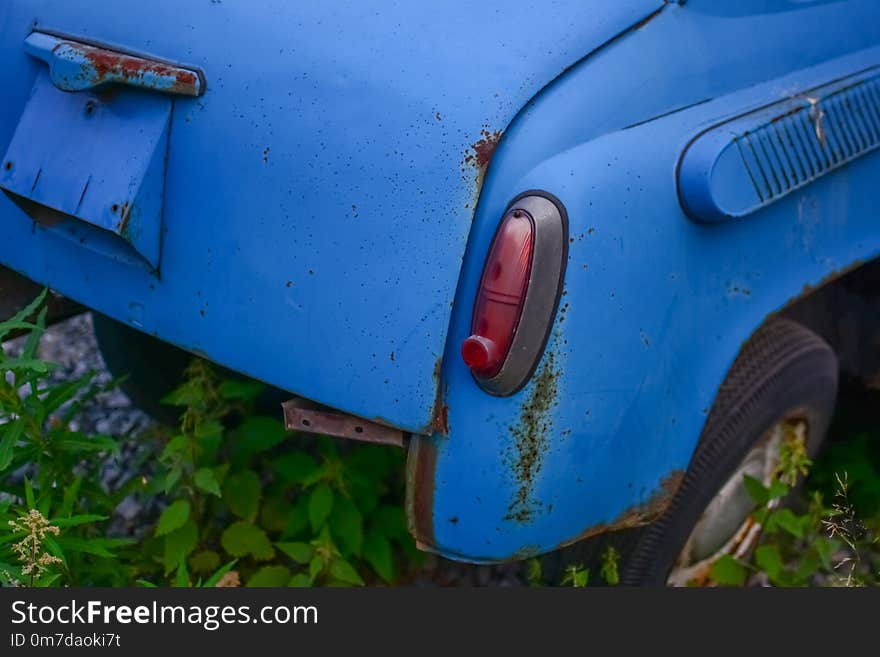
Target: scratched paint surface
[655,306]
[319,195]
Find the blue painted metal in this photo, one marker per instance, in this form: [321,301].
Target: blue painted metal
[740,166]
[76,66]
[320,195]
[80,159]
[317,198]
[655,306]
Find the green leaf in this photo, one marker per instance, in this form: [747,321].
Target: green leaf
[205,561]
[727,571]
[270,576]
[61,393]
[74,521]
[316,565]
[808,566]
[70,497]
[54,549]
[768,559]
[299,552]
[294,467]
[171,479]
[181,580]
[274,513]
[29,494]
[189,393]
[206,481]
[345,572]
[77,442]
[175,446]
[377,553]
[242,491]
[786,520]
[28,365]
[825,548]
[173,517]
[33,340]
[217,576]
[240,390]
[179,544]
[298,519]
[22,315]
[320,506]
[209,430]
[11,433]
[242,539]
[100,547]
[300,580]
[756,490]
[347,524]
[777,490]
[260,433]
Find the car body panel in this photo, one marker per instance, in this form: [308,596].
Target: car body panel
[655,306]
[319,195]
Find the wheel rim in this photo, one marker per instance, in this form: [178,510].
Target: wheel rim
[727,525]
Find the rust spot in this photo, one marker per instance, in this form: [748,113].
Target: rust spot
[638,515]
[440,411]
[480,153]
[421,465]
[110,65]
[530,438]
[124,214]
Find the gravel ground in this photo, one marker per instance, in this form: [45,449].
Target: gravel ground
[71,344]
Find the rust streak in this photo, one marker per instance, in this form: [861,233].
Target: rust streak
[421,467]
[109,65]
[638,515]
[439,411]
[530,439]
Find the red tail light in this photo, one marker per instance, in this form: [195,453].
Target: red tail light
[518,294]
[501,296]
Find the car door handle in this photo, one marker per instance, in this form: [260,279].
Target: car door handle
[76,66]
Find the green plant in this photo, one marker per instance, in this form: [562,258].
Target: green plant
[796,547]
[240,489]
[242,500]
[578,576]
[50,521]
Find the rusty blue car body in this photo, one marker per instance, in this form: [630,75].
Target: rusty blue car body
[306,193]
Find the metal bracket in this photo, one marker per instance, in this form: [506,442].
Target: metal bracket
[342,426]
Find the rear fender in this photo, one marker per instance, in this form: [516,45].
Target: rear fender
[655,305]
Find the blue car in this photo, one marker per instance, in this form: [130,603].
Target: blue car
[562,253]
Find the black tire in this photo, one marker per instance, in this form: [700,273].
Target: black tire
[154,368]
[783,371]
